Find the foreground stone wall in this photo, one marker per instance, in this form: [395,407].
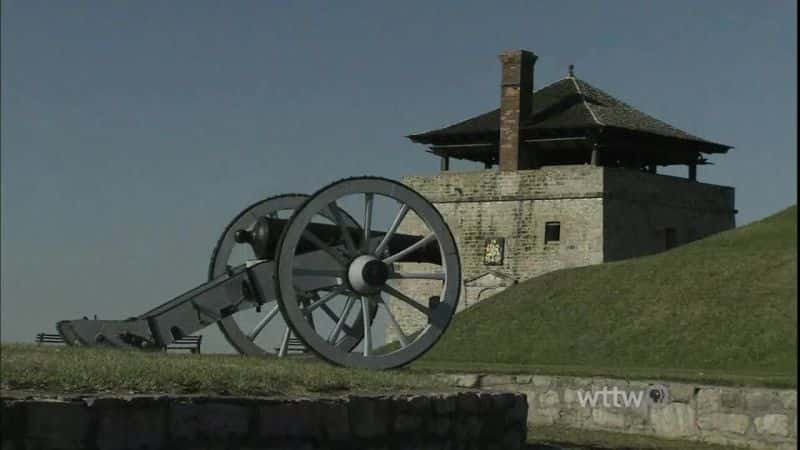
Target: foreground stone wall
[475,420]
[758,418]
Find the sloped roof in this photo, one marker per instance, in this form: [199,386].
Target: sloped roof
[571,103]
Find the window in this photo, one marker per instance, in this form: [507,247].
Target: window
[670,240]
[552,232]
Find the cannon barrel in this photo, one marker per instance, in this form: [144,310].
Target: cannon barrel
[265,236]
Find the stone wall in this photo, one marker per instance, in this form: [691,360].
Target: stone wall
[478,420]
[605,214]
[640,207]
[515,206]
[759,418]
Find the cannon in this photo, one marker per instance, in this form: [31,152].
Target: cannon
[318,263]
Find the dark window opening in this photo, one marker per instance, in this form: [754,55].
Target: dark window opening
[552,232]
[670,240]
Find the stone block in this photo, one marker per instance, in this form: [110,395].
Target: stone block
[445,404]
[369,416]
[708,400]
[788,399]
[523,379]
[756,401]
[723,439]
[542,416]
[773,424]
[681,393]
[731,399]
[465,381]
[570,395]
[728,423]
[541,381]
[518,413]
[468,402]
[13,420]
[212,420]
[418,404]
[61,424]
[504,401]
[468,428]
[674,420]
[405,423]
[333,419]
[497,380]
[514,438]
[440,426]
[605,418]
[287,419]
[125,424]
[548,399]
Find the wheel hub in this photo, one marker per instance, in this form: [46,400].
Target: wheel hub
[367,274]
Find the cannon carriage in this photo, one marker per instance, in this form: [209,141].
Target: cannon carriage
[315,269]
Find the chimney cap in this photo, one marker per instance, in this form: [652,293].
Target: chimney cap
[518,54]
[571,71]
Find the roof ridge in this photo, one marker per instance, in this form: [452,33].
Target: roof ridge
[548,85]
[650,116]
[585,103]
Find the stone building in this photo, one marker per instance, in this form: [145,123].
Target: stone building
[570,179]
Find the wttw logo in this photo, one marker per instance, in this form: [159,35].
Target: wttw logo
[615,397]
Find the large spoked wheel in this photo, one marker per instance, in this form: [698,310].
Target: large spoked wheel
[264,333]
[366,265]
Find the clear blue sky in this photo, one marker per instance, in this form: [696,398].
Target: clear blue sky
[133,131]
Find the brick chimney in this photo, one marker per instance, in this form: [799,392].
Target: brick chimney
[516,93]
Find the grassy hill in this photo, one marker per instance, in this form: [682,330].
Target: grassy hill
[727,304]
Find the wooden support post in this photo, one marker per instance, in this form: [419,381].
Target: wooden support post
[445,163]
[652,168]
[693,172]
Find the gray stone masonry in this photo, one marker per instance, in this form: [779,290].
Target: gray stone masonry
[605,214]
[750,417]
[456,420]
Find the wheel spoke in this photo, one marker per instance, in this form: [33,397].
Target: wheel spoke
[311,237]
[412,248]
[367,326]
[400,335]
[417,275]
[329,312]
[334,292]
[368,200]
[337,217]
[262,323]
[334,334]
[284,342]
[408,300]
[392,229]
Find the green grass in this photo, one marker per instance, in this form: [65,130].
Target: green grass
[724,307]
[715,377]
[74,370]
